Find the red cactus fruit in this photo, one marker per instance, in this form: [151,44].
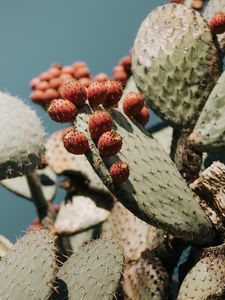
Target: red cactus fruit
[99,122]
[79,64]
[66,77]
[119,172]
[74,91]
[67,70]
[217,23]
[101,77]
[109,143]
[85,81]
[54,72]
[37,96]
[62,110]
[125,62]
[143,116]
[55,82]
[75,141]
[45,76]
[34,82]
[119,74]
[51,94]
[177,1]
[82,72]
[132,104]
[42,85]
[96,93]
[114,93]
[197,4]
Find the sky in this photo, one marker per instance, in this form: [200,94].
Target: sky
[35,34]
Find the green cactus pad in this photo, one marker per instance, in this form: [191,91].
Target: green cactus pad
[22,138]
[130,232]
[62,161]
[5,245]
[79,214]
[94,271]
[164,137]
[145,279]
[175,63]
[78,239]
[207,277]
[210,9]
[155,191]
[209,132]
[28,269]
[20,186]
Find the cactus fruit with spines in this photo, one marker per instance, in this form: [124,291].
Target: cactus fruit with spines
[143,196]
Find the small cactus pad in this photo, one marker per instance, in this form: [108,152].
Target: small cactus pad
[145,279]
[78,215]
[211,8]
[207,277]
[22,138]
[62,161]
[209,132]
[19,185]
[28,269]
[5,245]
[94,272]
[130,232]
[175,63]
[155,191]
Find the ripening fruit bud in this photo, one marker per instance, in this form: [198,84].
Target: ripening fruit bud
[119,172]
[143,116]
[74,91]
[109,143]
[62,110]
[75,141]
[217,23]
[99,122]
[114,93]
[133,104]
[96,93]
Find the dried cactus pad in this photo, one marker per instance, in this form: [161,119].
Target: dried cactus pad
[94,272]
[5,245]
[22,137]
[207,277]
[155,191]
[175,63]
[19,185]
[79,214]
[209,132]
[28,269]
[211,8]
[61,160]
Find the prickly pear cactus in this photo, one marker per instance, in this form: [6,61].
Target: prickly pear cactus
[175,63]
[94,271]
[22,137]
[206,279]
[5,245]
[28,269]
[209,132]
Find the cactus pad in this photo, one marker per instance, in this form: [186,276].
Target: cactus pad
[175,63]
[22,137]
[94,271]
[155,191]
[209,132]
[130,232]
[28,269]
[5,245]
[207,277]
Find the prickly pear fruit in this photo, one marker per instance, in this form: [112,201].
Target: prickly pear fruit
[62,110]
[99,122]
[74,91]
[109,143]
[217,23]
[143,116]
[133,104]
[96,93]
[75,142]
[119,172]
[114,93]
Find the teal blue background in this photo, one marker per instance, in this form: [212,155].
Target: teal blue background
[33,34]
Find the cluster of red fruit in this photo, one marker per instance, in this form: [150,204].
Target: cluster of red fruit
[47,85]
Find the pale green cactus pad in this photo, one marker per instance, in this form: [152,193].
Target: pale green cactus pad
[19,185]
[155,191]
[210,9]
[207,277]
[28,269]
[209,132]
[175,63]
[22,137]
[164,137]
[62,161]
[5,245]
[145,279]
[130,232]
[94,272]
[79,214]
